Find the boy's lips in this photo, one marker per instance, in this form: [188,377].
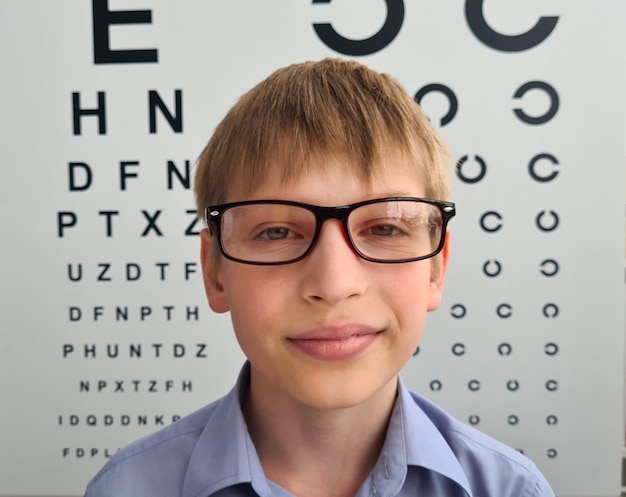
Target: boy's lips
[335,343]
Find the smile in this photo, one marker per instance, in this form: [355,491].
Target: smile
[335,344]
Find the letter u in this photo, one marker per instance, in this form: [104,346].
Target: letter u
[70,272]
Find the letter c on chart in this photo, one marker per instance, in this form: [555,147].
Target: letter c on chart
[458,311]
[547,227]
[471,179]
[504,311]
[513,419]
[506,43]
[549,114]
[491,228]
[543,178]
[551,349]
[549,267]
[453,103]
[512,385]
[552,385]
[458,349]
[492,268]
[474,385]
[550,310]
[435,385]
[505,349]
[367,46]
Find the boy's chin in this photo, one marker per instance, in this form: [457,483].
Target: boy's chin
[339,392]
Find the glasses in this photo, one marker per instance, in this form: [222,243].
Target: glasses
[385,230]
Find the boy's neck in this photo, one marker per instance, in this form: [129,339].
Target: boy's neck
[325,452]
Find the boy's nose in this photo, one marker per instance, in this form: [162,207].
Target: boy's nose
[333,270]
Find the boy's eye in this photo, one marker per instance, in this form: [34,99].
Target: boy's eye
[384,227]
[383,230]
[275,233]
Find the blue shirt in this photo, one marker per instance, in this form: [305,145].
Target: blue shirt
[426,453]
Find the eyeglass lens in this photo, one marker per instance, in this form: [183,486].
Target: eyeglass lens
[386,231]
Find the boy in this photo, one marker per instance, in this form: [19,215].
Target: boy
[326,247]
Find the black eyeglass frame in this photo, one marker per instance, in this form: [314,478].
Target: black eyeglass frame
[213,216]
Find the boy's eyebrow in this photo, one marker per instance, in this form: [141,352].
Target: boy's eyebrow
[389,194]
[368,196]
[397,193]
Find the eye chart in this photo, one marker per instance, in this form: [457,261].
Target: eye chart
[106,334]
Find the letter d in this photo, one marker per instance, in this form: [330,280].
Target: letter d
[76,186]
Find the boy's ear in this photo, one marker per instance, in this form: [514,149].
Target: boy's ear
[438,270]
[213,287]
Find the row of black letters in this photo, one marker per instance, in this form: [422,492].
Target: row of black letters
[140,313]
[188,271]
[103,19]
[198,351]
[67,221]
[129,271]
[127,420]
[101,313]
[504,349]
[135,351]
[175,118]
[110,420]
[135,386]
[505,310]
[91,453]
[106,453]
[542,168]
[512,385]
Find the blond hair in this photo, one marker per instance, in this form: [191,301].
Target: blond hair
[305,112]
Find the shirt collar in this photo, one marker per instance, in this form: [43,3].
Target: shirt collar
[224,454]
[426,447]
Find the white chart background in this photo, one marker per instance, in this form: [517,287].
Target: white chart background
[488,354]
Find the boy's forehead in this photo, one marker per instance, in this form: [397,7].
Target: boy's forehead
[279,173]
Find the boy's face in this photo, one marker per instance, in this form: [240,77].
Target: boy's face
[332,330]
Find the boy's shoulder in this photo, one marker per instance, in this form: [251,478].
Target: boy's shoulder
[158,464]
[488,466]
